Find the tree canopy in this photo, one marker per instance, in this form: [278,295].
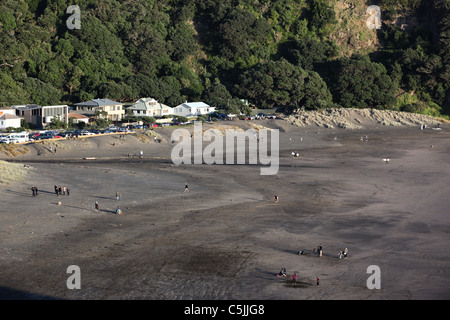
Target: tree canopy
[271,53]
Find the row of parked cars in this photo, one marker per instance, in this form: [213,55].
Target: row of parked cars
[43,135]
[259,116]
[71,134]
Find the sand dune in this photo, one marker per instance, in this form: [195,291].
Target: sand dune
[359,118]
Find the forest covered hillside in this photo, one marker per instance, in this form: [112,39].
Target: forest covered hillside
[295,54]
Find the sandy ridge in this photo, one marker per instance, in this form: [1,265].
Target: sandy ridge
[359,118]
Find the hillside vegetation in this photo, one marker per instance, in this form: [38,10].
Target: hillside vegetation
[294,54]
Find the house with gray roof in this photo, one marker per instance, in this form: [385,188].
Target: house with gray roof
[114,110]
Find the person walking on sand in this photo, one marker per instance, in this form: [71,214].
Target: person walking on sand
[275,198]
[294,278]
[186,188]
[345,253]
[319,250]
[64,190]
[317,281]
[56,190]
[96,206]
[118,211]
[68,191]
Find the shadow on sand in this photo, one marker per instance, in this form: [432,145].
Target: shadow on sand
[13,294]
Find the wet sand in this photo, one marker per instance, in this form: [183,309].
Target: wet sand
[226,238]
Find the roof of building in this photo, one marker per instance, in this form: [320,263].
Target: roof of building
[35,106]
[25,106]
[194,105]
[8,116]
[77,116]
[98,102]
[144,104]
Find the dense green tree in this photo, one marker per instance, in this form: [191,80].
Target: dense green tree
[307,52]
[358,82]
[41,93]
[320,15]
[217,95]
[240,32]
[279,83]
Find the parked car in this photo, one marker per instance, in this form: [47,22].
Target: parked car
[34,135]
[165,124]
[6,140]
[260,116]
[48,135]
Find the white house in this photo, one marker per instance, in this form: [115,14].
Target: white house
[149,107]
[77,118]
[8,118]
[193,109]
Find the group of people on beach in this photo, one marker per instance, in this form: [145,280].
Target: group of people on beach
[319,250]
[97,208]
[61,190]
[283,273]
[343,254]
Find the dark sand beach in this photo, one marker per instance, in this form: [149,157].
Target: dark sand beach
[226,238]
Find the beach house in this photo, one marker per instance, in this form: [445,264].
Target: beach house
[9,119]
[112,110]
[41,116]
[149,107]
[193,109]
[77,118]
